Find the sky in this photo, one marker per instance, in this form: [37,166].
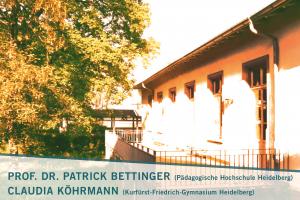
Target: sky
[181,26]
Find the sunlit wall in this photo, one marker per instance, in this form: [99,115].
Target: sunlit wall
[191,122]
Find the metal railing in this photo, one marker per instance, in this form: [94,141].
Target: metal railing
[241,158]
[130,135]
[245,158]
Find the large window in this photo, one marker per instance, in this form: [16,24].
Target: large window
[172,94]
[189,89]
[255,74]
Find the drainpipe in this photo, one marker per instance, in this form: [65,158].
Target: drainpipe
[143,86]
[152,93]
[273,69]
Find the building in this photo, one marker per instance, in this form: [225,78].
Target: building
[234,96]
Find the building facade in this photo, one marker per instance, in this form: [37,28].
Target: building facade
[238,91]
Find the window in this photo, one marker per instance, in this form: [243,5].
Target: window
[172,94]
[255,74]
[215,82]
[160,97]
[150,98]
[189,89]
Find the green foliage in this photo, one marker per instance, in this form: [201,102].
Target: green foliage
[79,144]
[54,57]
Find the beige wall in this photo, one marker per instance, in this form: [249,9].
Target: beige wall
[191,123]
[288,94]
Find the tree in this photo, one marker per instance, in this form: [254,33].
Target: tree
[56,55]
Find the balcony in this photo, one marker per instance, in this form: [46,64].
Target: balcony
[136,145]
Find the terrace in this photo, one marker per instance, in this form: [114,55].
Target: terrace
[136,145]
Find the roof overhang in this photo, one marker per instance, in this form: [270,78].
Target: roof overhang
[207,50]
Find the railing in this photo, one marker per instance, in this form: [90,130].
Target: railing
[246,158]
[130,135]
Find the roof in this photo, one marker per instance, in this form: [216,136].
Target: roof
[205,52]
